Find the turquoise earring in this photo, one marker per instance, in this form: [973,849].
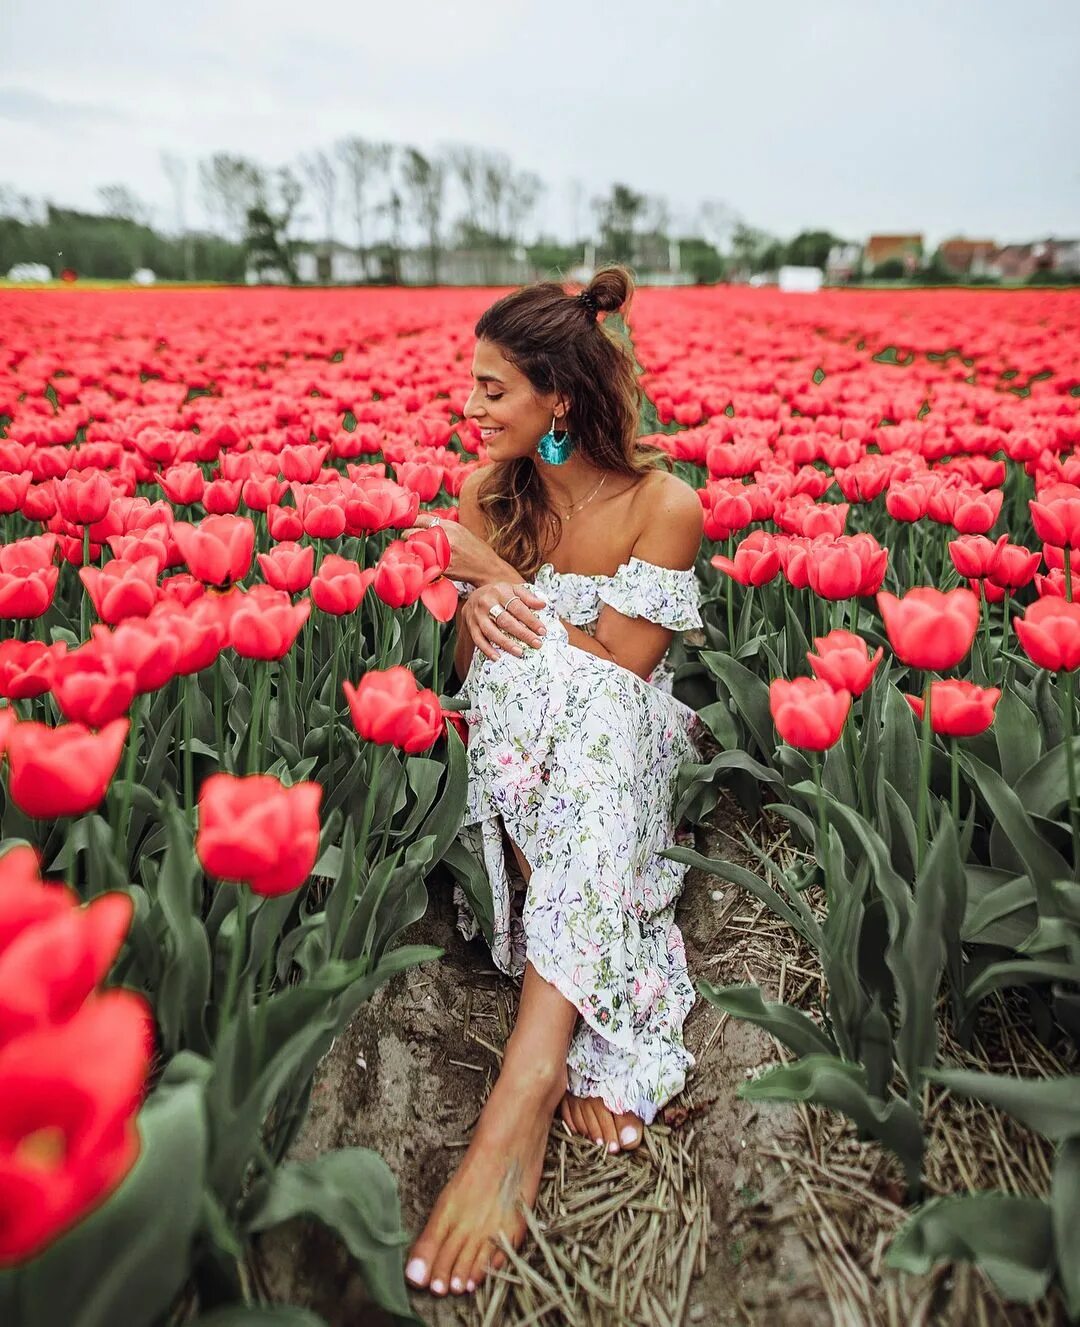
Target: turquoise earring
[554,450]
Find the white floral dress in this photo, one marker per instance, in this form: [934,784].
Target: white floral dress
[579,756]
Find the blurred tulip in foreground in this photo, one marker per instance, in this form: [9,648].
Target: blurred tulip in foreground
[1050,633]
[389,708]
[62,771]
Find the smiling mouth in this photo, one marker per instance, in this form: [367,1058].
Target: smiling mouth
[488,434]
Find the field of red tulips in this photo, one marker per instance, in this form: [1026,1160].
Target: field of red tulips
[225,727]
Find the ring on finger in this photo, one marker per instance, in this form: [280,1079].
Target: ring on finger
[496,611]
[513,599]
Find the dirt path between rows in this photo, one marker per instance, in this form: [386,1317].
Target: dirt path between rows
[676,1233]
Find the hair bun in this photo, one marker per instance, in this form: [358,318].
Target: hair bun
[610,289]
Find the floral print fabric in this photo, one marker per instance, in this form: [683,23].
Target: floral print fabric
[578,757]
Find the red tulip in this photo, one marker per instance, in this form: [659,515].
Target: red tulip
[69,1093]
[27,668]
[260,492]
[456,720]
[957,708]
[288,566]
[122,589]
[928,628]
[264,623]
[391,709]
[218,550]
[13,491]
[808,713]
[1013,566]
[27,583]
[377,505]
[984,589]
[1049,631]
[908,500]
[421,478]
[756,561]
[93,684]
[321,509]
[221,497]
[48,970]
[844,660]
[1056,515]
[846,566]
[183,484]
[284,523]
[156,543]
[83,497]
[201,632]
[256,831]
[62,771]
[144,647]
[974,511]
[973,554]
[409,570]
[794,560]
[340,585]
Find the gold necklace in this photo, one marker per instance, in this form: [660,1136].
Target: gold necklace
[578,505]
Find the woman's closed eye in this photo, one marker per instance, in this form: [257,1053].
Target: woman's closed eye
[497,397]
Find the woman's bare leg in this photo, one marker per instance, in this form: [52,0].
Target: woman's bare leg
[588,1116]
[505,1159]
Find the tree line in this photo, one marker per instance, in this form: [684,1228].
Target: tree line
[381,199]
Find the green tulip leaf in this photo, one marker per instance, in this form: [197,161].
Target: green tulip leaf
[1043,788]
[353,1192]
[789,1026]
[1021,972]
[1049,1106]
[1065,1218]
[750,694]
[1008,1236]
[824,1080]
[1016,732]
[1001,908]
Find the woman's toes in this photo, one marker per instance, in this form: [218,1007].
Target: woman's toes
[443,1265]
[607,1124]
[566,1115]
[630,1130]
[416,1272]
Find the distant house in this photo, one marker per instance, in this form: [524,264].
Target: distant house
[843,261]
[326,262]
[907,249]
[1065,256]
[968,257]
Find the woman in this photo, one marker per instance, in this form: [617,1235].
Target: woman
[577,551]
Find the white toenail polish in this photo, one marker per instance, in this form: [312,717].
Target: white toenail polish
[437,1287]
[470,1286]
[629,1135]
[456,1285]
[416,1270]
[613,1147]
[599,1142]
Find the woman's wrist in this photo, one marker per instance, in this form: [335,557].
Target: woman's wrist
[496,570]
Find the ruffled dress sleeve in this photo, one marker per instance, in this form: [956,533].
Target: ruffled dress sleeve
[664,595]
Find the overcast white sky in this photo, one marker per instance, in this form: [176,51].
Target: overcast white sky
[852,115]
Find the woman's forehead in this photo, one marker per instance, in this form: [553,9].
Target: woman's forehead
[488,363]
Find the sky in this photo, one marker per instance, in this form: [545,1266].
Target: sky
[853,116]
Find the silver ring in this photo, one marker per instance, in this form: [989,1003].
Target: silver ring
[436,520]
[512,598]
[496,611]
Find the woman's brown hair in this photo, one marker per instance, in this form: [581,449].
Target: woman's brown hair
[559,344]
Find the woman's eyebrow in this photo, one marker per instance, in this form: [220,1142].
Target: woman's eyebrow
[487,377]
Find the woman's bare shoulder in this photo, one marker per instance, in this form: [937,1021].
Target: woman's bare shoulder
[669,518]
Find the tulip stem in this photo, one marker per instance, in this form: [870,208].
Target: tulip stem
[120,826]
[375,757]
[1004,632]
[189,756]
[1068,572]
[333,711]
[239,944]
[219,712]
[395,789]
[954,779]
[731,615]
[1068,714]
[84,611]
[436,650]
[924,776]
[822,824]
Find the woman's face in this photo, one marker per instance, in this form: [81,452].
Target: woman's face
[511,416]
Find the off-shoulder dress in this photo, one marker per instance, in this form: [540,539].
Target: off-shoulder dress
[579,757]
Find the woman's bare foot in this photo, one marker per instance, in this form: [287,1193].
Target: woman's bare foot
[589,1117]
[501,1169]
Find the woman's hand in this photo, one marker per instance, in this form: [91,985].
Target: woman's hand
[516,625]
[471,559]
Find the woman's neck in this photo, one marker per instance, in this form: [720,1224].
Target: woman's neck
[568,483]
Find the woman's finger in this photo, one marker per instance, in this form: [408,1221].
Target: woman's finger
[518,625]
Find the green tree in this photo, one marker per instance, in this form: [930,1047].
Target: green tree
[617,217]
[810,248]
[268,246]
[425,182]
[701,259]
